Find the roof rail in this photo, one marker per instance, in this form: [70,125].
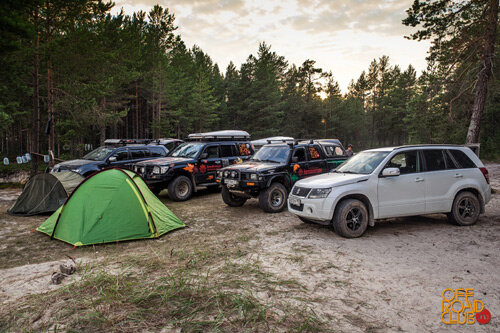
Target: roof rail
[428,145]
[126,141]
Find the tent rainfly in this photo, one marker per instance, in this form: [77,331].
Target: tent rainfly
[45,193]
[111,205]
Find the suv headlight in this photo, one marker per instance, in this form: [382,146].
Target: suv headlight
[226,173]
[156,170]
[163,169]
[318,193]
[234,174]
[254,176]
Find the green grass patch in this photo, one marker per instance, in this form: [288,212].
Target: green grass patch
[172,292]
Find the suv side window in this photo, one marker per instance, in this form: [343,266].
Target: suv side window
[314,153]
[245,149]
[300,153]
[462,159]
[157,152]
[227,150]
[137,153]
[407,162]
[121,155]
[450,164]
[212,151]
[170,146]
[339,151]
[434,159]
[329,150]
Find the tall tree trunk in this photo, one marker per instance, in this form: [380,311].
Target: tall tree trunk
[102,123]
[485,71]
[158,134]
[50,90]
[50,109]
[136,127]
[35,142]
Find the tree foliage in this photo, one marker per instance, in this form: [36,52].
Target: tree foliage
[133,76]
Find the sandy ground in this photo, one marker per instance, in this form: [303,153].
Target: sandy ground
[391,279]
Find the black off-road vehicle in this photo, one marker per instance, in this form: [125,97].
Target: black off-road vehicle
[195,163]
[270,174]
[115,153]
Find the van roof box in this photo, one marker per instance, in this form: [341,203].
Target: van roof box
[220,136]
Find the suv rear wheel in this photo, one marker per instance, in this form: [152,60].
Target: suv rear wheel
[350,219]
[465,210]
[180,189]
[273,199]
[231,199]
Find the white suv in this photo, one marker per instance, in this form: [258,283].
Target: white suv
[392,182]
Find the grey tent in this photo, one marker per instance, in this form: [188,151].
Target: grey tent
[45,193]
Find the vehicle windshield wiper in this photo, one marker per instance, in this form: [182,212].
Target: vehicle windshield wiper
[355,173]
[270,161]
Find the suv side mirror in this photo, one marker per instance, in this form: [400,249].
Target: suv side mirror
[112,159]
[390,172]
[295,159]
[204,155]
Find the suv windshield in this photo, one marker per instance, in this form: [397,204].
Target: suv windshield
[187,150]
[98,154]
[364,162]
[272,154]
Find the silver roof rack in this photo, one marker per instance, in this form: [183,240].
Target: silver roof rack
[126,141]
[273,139]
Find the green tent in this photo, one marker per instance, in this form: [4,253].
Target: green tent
[45,193]
[112,205]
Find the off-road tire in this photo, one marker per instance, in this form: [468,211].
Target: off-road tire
[350,219]
[231,199]
[465,210]
[273,199]
[180,189]
[303,219]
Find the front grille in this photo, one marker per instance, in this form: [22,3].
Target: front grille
[301,191]
[230,176]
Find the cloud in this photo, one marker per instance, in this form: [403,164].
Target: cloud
[341,35]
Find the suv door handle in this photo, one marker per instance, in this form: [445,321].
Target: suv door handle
[418,179]
[458,175]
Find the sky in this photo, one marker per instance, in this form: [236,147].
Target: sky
[342,36]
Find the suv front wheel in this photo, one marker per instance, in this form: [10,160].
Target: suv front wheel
[273,199]
[465,210]
[350,219]
[180,189]
[231,199]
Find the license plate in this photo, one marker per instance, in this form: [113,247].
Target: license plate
[230,182]
[294,201]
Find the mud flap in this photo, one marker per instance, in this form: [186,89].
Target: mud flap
[195,188]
